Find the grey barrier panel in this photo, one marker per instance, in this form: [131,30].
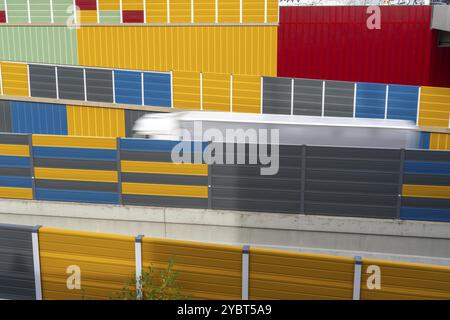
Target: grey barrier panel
[352,182]
[308,97]
[130,118]
[16,263]
[277,95]
[42,81]
[71,83]
[339,99]
[5,116]
[242,187]
[99,85]
[11,138]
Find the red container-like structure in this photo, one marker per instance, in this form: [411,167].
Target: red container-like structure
[335,43]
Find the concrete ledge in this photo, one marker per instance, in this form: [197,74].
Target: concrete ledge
[416,238]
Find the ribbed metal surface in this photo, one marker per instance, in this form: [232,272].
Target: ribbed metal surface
[16,263]
[5,116]
[371,100]
[308,97]
[99,85]
[339,98]
[128,87]
[277,95]
[71,83]
[42,81]
[334,43]
[39,44]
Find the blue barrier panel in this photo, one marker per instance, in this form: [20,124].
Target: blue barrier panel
[402,102]
[74,153]
[128,88]
[370,100]
[157,89]
[77,196]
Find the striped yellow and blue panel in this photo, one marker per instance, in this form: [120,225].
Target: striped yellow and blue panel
[15,167]
[76,169]
[150,177]
[426,186]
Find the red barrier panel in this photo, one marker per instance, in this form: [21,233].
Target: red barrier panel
[334,43]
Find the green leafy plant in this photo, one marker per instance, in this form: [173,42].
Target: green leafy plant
[155,284]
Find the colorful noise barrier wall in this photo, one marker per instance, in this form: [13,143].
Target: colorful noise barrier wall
[427,106]
[61,119]
[337,181]
[138,11]
[105,263]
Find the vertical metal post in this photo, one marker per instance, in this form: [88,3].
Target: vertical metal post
[85,87]
[52,16]
[36,262]
[114,85]
[145,11]
[210,195]
[6,11]
[245,271]
[357,279]
[354,99]
[323,98]
[28,75]
[192,11]
[138,262]
[29,11]
[75,13]
[119,171]
[201,91]
[303,180]
[400,182]
[231,92]
[1,80]
[262,94]
[240,11]
[33,180]
[142,89]
[168,11]
[98,11]
[121,11]
[418,105]
[216,13]
[56,81]
[171,89]
[265,11]
[386,102]
[292,96]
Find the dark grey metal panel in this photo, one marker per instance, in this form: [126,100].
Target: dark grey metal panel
[433,203]
[5,116]
[152,156]
[15,172]
[130,118]
[42,81]
[277,95]
[427,179]
[71,83]
[164,179]
[242,187]
[308,97]
[99,85]
[76,185]
[75,164]
[426,155]
[352,181]
[16,263]
[10,138]
[339,97]
[158,201]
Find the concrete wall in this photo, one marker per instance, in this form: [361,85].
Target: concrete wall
[391,239]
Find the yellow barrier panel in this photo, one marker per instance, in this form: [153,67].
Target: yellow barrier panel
[109,5]
[246,94]
[156,11]
[88,16]
[204,11]
[229,11]
[16,193]
[165,168]
[402,280]
[76,174]
[216,92]
[106,262]
[180,11]
[186,90]
[434,107]
[18,150]
[419,191]
[132,5]
[15,79]
[440,141]
[205,271]
[291,275]
[217,49]
[94,121]
[165,190]
[73,142]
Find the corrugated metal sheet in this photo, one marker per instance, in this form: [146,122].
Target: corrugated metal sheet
[402,102]
[130,118]
[426,186]
[71,83]
[110,256]
[39,44]
[5,116]
[186,90]
[215,49]
[334,43]
[402,280]
[16,263]
[308,97]
[17,11]
[42,81]
[291,275]
[371,100]
[339,98]
[40,11]
[157,89]
[128,87]
[434,107]
[15,167]
[204,11]
[242,187]
[66,171]
[277,95]
[352,181]
[95,121]
[216,92]
[99,85]
[61,11]
[149,177]
[30,117]
[14,79]
[246,94]
[205,271]
[440,141]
